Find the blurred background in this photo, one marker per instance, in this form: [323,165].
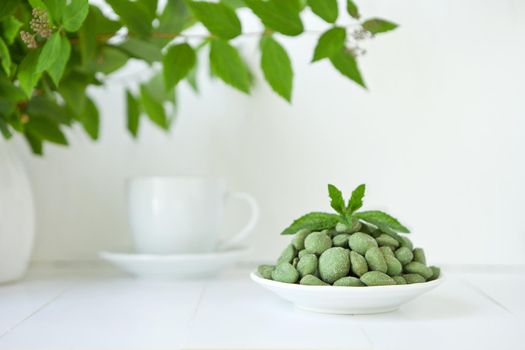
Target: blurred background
[437,138]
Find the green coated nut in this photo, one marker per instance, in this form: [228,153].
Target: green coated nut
[419,268]
[307,265]
[419,255]
[386,240]
[349,281]
[265,271]
[406,242]
[436,272]
[356,226]
[375,259]
[387,250]
[287,255]
[394,267]
[295,261]
[317,242]
[298,239]
[342,228]
[341,240]
[334,263]
[399,280]
[404,255]
[411,278]
[303,253]
[286,273]
[358,262]
[361,242]
[311,280]
[377,278]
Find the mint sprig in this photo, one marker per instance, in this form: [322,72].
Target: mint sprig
[347,214]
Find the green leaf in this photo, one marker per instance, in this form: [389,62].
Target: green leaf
[4,129]
[10,91]
[279,15]
[151,7]
[90,119]
[381,220]
[175,17]
[133,113]
[218,18]
[352,9]
[314,221]
[330,43]
[11,27]
[34,142]
[109,60]
[49,53]
[75,14]
[234,4]
[277,67]
[336,199]
[141,49]
[133,14]
[45,129]
[73,91]
[153,108]
[7,7]
[27,75]
[177,62]
[56,9]
[346,64]
[102,25]
[356,200]
[37,4]
[326,9]
[5,57]
[227,64]
[56,70]
[378,25]
[43,107]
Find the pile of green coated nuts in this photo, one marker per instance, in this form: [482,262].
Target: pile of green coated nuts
[352,257]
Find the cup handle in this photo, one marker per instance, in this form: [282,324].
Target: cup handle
[248,228]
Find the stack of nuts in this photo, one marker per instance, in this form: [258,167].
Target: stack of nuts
[351,257]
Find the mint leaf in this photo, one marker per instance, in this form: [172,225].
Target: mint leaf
[346,64]
[330,43]
[277,67]
[326,9]
[74,14]
[356,201]
[337,202]
[133,113]
[378,25]
[218,18]
[177,62]
[314,221]
[227,64]
[352,9]
[382,220]
[279,15]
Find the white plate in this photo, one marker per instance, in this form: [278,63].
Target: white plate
[347,300]
[175,265]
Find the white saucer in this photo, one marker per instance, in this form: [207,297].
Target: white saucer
[175,266]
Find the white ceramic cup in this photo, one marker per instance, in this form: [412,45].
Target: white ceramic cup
[177,215]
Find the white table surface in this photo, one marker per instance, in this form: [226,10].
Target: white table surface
[95,307]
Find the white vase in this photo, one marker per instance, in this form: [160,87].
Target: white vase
[16,216]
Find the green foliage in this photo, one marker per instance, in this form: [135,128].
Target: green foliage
[315,221]
[52,51]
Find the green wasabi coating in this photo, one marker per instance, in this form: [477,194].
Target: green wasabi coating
[387,250]
[311,280]
[349,281]
[377,278]
[394,267]
[342,228]
[361,242]
[419,268]
[317,242]
[356,226]
[303,253]
[436,272]
[287,255]
[406,242]
[419,255]
[411,278]
[265,271]
[386,240]
[334,263]
[399,280]
[368,229]
[295,261]
[404,255]
[307,265]
[286,273]
[341,240]
[358,262]
[298,239]
[375,259]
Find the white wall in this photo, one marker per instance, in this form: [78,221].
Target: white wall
[438,139]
